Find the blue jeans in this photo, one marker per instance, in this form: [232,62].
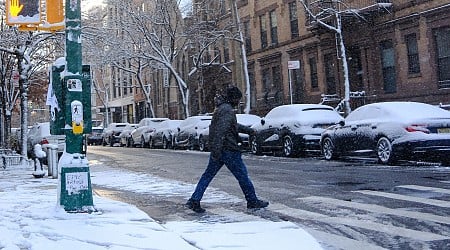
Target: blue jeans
[234,163]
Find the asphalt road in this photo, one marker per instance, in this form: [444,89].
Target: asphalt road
[351,204]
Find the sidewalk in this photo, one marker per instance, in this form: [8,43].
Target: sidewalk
[31,219]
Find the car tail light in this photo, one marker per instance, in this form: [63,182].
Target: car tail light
[417,128]
[44,141]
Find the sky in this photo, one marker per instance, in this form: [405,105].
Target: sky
[31,219]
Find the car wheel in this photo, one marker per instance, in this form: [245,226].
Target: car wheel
[328,149]
[288,147]
[384,151]
[201,144]
[254,147]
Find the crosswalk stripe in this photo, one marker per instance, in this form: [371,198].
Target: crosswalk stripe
[423,188]
[380,209]
[365,224]
[341,242]
[432,202]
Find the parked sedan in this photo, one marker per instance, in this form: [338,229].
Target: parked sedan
[112,132]
[163,136]
[293,129]
[141,135]
[244,119]
[95,137]
[391,131]
[189,129]
[125,135]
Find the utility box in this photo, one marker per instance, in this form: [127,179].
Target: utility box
[57,120]
[86,101]
[75,185]
[57,123]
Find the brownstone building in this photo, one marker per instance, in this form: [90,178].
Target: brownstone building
[395,50]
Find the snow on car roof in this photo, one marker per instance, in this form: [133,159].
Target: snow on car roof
[305,113]
[407,111]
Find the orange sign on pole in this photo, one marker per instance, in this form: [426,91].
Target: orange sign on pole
[55,11]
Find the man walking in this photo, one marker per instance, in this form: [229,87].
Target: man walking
[223,143]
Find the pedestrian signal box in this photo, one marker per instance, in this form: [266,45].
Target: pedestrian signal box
[61,89]
[23,12]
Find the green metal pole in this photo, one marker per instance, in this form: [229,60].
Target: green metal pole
[73,68]
[75,191]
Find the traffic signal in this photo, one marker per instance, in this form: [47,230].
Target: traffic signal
[55,11]
[23,12]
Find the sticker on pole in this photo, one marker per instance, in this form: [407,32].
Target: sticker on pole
[74,85]
[76,182]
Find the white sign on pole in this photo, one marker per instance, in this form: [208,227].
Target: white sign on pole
[293,64]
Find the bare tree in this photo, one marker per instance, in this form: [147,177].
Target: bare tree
[31,52]
[328,15]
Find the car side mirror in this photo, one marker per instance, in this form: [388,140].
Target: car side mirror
[263,122]
[342,123]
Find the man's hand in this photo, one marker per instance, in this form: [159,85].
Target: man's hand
[15,7]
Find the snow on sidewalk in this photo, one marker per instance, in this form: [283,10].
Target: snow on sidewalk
[31,219]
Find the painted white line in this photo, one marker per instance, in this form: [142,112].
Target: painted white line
[341,242]
[431,202]
[380,209]
[423,188]
[353,222]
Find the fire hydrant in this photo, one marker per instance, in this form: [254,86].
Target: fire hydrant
[38,157]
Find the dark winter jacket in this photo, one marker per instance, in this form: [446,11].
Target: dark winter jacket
[224,129]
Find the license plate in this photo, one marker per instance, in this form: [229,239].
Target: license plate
[443,130]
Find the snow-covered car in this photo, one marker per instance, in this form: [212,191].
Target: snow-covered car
[391,131]
[112,132]
[187,132]
[244,119]
[163,136]
[125,135]
[293,129]
[95,137]
[141,135]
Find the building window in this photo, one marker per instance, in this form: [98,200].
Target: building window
[330,74]
[247,37]
[413,54]
[297,85]
[293,19]
[442,37]
[273,27]
[388,66]
[313,72]
[263,30]
[271,78]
